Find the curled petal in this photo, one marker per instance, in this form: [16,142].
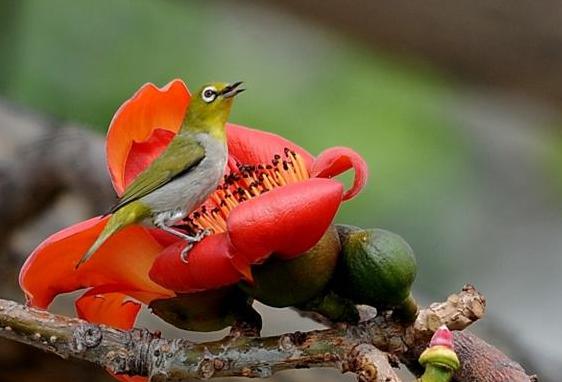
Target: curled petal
[256,147]
[109,308]
[336,160]
[288,220]
[123,261]
[142,119]
[208,266]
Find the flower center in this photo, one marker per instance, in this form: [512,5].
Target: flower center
[247,182]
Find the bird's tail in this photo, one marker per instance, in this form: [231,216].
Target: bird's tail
[120,219]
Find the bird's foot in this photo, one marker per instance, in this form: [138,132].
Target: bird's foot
[192,240]
[203,234]
[184,255]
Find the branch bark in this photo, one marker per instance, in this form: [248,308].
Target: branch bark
[484,363]
[346,347]
[371,364]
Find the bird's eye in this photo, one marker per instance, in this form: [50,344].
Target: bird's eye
[209,94]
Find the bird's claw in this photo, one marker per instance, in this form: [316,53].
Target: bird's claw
[185,252]
[196,239]
[203,234]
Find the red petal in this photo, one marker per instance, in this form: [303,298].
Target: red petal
[255,147]
[287,220]
[149,109]
[123,261]
[208,266]
[142,154]
[336,160]
[163,238]
[126,378]
[113,309]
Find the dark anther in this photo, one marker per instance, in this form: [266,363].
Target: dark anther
[298,338]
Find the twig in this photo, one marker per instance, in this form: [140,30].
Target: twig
[142,353]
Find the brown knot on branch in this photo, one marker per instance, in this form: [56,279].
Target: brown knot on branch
[363,349]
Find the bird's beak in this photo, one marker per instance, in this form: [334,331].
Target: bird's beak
[232,90]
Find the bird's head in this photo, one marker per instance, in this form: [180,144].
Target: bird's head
[210,107]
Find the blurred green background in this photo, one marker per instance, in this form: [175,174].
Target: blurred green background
[470,176]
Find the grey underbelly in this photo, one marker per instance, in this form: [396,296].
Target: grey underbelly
[188,191]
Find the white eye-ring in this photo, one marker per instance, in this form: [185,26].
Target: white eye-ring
[209,94]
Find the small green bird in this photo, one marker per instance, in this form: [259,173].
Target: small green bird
[184,175]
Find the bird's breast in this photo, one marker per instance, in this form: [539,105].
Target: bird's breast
[188,191]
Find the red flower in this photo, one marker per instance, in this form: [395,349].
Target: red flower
[277,199]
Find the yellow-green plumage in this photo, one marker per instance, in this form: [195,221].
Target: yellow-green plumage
[182,154]
[184,175]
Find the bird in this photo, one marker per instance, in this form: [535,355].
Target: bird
[181,178]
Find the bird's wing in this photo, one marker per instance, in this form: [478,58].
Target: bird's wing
[181,156]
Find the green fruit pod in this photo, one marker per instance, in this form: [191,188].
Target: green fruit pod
[282,283]
[377,268]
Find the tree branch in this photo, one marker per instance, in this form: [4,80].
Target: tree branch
[370,364]
[346,347]
[484,363]
[62,159]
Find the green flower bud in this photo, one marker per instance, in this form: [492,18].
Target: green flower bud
[439,359]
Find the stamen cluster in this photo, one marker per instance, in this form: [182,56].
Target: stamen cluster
[246,182]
